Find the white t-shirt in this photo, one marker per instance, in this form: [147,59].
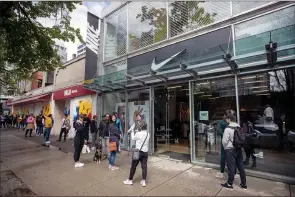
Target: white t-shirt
[139,137]
[63,125]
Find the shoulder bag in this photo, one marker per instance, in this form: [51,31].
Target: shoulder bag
[135,155]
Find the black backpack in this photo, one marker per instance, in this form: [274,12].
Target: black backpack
[239,137]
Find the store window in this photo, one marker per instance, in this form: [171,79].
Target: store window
[115,102]
[185,16]
[211,99]
[150,18]
[267,103]
[115,34]
[138,102]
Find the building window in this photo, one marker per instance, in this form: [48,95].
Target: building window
[275,20]
[185,16]
[147,24]
[243,6]
[277,27]
[116,34]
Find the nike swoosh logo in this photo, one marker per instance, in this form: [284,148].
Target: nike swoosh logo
[156,67]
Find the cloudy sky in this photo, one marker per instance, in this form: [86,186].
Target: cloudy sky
[79,20]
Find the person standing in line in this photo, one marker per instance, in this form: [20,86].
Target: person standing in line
[39,124]
[2,121]
[119,125]
[114,138]
[142,144]
[79,140]
[48,126]
[93,130]
[234,156]
[65,127]
[30,125]
[104,134]
[221,127]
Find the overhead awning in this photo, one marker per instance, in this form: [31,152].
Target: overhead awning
[268,51]
[35,99]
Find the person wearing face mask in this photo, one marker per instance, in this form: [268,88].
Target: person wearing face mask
[79,140]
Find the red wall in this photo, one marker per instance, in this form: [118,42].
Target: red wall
[36,76]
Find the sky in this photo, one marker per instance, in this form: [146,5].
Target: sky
[78,20]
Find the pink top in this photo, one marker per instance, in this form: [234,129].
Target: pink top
[30,119]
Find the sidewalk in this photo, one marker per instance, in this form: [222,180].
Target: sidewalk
[49,171]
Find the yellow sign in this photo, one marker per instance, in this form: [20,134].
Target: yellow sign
[85,107]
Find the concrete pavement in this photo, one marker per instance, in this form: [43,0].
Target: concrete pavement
[49,171]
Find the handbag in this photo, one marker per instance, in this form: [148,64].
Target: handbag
[135,155]
[113,146]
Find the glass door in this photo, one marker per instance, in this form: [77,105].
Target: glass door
[161,121]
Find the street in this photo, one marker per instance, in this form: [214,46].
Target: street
[49,171]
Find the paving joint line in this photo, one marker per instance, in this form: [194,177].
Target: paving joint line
[167,180]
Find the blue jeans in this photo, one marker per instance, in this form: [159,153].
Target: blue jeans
[47,134]
[39,130]
[112,158]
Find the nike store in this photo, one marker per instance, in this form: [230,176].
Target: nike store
[182,89]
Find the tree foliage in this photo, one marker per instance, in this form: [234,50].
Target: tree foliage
[26,46]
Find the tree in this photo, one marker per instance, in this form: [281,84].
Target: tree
[26,46]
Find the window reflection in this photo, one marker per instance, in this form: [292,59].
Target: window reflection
[267,103]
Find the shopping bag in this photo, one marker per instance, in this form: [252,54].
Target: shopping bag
[84,149]
[72,133]
[87,149]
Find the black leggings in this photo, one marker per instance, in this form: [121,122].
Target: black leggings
[63,131]
[27,131]
[78,144]
[143,157]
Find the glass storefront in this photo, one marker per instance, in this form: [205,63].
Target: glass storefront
[138,102]
[267,103]
[115,102]
[210,100]
[171,121]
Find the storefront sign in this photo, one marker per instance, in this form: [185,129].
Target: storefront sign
[204,115]
[71,92]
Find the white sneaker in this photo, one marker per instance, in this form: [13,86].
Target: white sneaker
[93,148]
[259,155]
[114,168]
[143,183]
[237,176]
[220,175]
[110,167]
[79,165]
[128,182]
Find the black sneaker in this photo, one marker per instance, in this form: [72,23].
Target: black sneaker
[244,187]
[246,163]
[227,186]
[254,165]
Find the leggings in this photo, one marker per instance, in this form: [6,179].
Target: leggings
[27,131]
[78,144]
